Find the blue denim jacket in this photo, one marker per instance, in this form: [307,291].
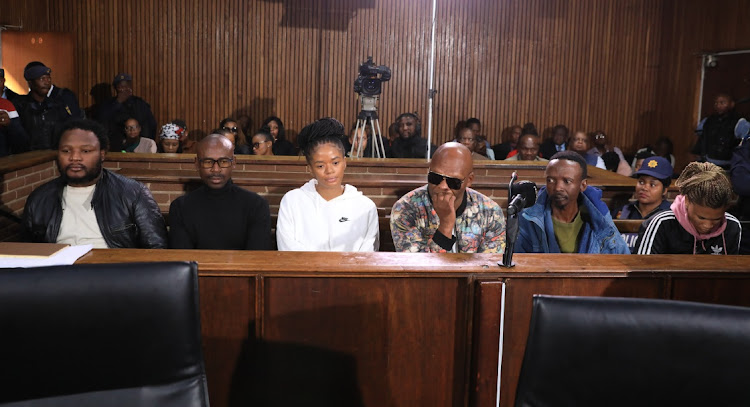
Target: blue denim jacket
[599,235]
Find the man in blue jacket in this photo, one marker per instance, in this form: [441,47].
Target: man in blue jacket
[569,216]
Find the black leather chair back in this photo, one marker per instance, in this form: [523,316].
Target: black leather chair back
[101,335]
[586,351]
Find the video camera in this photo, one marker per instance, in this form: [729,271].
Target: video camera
[368,83]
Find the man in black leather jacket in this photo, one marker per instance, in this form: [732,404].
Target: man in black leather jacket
[91,205]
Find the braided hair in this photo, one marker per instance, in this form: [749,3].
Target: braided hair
[324,131]
[705,184]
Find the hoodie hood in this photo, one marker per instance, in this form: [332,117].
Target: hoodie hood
[680,212]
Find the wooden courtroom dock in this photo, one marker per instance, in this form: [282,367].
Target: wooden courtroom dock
[398,329]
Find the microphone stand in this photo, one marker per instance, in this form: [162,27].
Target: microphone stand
[511,233]
[511,228]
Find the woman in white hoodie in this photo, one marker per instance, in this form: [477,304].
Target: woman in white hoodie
[324,214]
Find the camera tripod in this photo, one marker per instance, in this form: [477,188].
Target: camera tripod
[368,116]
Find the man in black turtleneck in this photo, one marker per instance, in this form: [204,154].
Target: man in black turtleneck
[219,214]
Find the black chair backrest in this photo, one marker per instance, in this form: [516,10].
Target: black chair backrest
[595,351]
[101,335]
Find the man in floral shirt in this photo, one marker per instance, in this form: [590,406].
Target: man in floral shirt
[445,215]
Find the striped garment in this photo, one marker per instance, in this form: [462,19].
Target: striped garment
[663,234]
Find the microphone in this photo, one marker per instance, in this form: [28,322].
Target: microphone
[523,195]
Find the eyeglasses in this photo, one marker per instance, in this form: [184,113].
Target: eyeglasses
[600,135]
[223,162]
[435,179]
[232,129]
[257,145]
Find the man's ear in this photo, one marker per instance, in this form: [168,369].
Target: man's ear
[197,164]
[102,154]
[584,185]
[469,179]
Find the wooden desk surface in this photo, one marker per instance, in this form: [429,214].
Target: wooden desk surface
[414,264]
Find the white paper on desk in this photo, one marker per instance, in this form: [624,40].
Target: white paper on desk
[64,257]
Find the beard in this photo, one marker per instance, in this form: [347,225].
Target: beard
[89,175]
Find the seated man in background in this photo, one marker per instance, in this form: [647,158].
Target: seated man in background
[45,106]
[510,138]
[483,146]
[409,143]
[219,214]
[579,143]
[568,216]
[465,136]
[91,205]
[528,149]
[697,222]
[446,215]
[558,142]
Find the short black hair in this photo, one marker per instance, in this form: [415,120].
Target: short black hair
[87,125]
[266,135]
[611,160]
[572,156]
[473,120]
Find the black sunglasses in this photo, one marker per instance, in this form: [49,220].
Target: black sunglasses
[232,129]
[435,179]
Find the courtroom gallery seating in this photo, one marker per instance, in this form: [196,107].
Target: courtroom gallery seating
[593,351]
[101,335]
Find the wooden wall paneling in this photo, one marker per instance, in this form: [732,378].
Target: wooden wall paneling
[727,291]
[626,67]
[228,318]
[407,336]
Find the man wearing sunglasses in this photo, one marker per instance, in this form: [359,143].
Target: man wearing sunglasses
[446,215]
[219,215]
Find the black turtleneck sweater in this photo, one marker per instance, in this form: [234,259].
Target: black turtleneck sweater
[229,218]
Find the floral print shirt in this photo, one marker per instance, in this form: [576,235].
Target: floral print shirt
[479,228]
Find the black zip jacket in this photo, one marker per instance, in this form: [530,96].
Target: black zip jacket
[127,214]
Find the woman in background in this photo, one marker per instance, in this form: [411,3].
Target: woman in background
[235,134]
[134,143]
[169,138]
[654,178]
[697,222]
[281,146]
[324,214]
[262,143]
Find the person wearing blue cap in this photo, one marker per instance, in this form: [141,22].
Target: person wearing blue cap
[654,178]
[124,105]
[45,106]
